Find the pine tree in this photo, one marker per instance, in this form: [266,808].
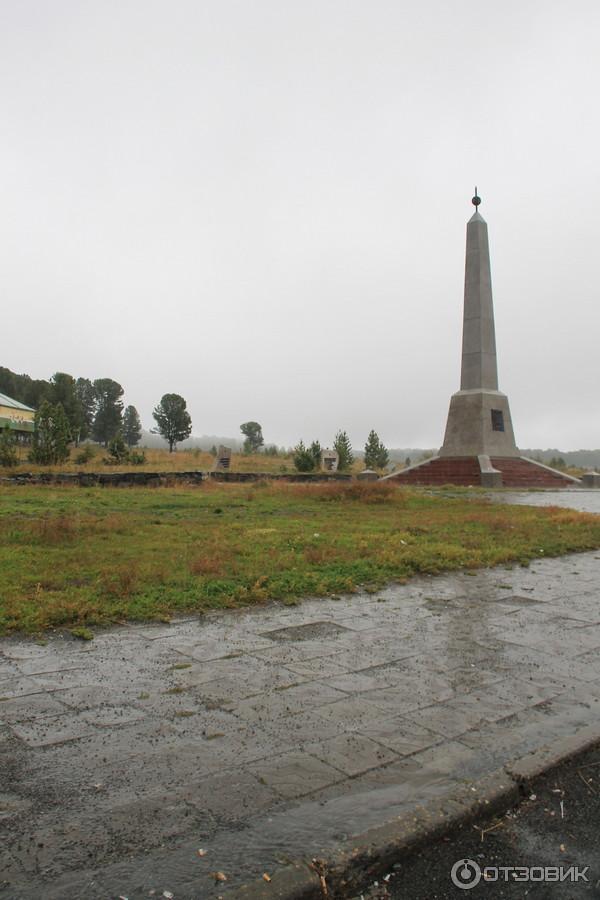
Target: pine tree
[51,435]
[63,390]
[109,410]
[132,427]
[376,455]
[172,419]
[86,409]
[344,450]
[304,460]
[315,451]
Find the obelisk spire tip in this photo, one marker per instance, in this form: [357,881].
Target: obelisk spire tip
[476,200]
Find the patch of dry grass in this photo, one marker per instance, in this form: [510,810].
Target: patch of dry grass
[159,460]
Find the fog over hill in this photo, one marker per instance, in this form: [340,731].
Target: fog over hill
[203,442]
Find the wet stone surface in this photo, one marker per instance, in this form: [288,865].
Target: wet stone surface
[585,500]
[266,734]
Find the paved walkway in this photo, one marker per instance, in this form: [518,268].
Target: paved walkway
[261,735]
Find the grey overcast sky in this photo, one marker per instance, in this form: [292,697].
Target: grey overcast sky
[261,205]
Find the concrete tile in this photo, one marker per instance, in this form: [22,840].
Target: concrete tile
[285,654]
[11,869]
[520,659]
[11,806]
[231,795]
[69,678]
[89,696]
[292,700]
[23,709]
[351,753]
[22,650]
[446,720]
[353,713]
[8,670]
[295,774]
[11,688]
[198,673]
[41,665]
[320,667]
[223,649]
[452,759]
[353,682]
[403,736]
[528,730]
[52,730]
[394,701]
[111,716]
[304,727]
[229,689]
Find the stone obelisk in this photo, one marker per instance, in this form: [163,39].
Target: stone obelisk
[479,444]
[479,422]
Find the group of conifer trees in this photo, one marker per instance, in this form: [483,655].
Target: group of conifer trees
[71,410]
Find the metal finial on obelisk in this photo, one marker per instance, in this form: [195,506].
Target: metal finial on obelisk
[476,200]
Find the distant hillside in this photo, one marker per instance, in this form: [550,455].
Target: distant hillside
[400,454]
[584,459]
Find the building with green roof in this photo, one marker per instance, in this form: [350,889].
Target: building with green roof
[18,417]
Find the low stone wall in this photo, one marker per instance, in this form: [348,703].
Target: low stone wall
[156,479]
[295,477]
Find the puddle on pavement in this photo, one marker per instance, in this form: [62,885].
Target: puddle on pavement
[311,631]
[267,844]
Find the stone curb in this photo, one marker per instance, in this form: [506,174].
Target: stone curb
[372,853]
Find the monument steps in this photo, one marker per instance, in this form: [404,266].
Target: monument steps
[520,472]
[517,472]
[444,470]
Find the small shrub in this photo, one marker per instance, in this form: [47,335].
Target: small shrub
[117,451]
[137,457]
[82,633]
[87,453]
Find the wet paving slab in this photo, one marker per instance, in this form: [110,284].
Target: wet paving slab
[262,735]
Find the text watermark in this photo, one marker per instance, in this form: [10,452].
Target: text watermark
[467,874]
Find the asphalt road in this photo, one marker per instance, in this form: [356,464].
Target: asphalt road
[557,825]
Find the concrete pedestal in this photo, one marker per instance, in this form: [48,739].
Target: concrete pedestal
[479,422]
[591,479]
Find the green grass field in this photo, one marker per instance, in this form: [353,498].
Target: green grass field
[72,557]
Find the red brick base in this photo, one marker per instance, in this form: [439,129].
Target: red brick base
[523,473]
[464,470]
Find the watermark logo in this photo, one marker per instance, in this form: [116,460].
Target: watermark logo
[465,874]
